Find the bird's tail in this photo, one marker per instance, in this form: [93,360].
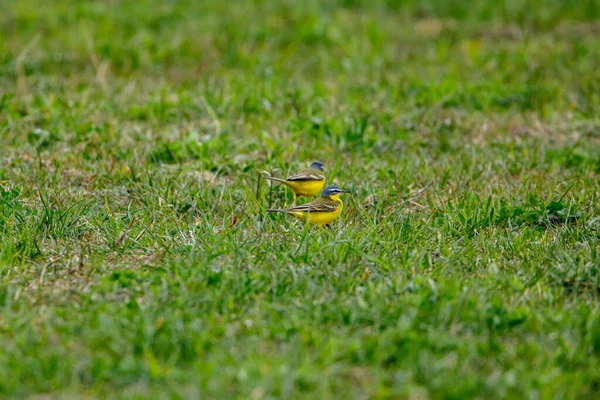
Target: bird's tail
[277,210]
[275,179]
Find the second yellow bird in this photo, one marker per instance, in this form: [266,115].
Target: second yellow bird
[320,211]
[306,183]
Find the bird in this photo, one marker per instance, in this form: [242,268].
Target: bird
[320,211]
[306,183]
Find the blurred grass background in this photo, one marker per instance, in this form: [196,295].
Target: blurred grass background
[135,259]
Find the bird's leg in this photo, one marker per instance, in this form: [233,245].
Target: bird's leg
[295,198]
[322,228]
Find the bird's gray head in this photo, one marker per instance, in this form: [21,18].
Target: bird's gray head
[318,165]
[332,190]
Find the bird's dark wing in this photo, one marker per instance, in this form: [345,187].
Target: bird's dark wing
[310,174]
[317,205]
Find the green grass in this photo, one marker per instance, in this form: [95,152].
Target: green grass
[136,259]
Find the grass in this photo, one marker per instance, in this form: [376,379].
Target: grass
[136,259]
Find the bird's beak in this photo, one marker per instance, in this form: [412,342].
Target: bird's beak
[345,191]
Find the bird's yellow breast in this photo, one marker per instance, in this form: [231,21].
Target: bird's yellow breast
[306,188]
[319,218]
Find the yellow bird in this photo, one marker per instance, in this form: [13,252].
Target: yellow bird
[320,211]
[307,183]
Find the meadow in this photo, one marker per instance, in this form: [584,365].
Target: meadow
[136,257]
